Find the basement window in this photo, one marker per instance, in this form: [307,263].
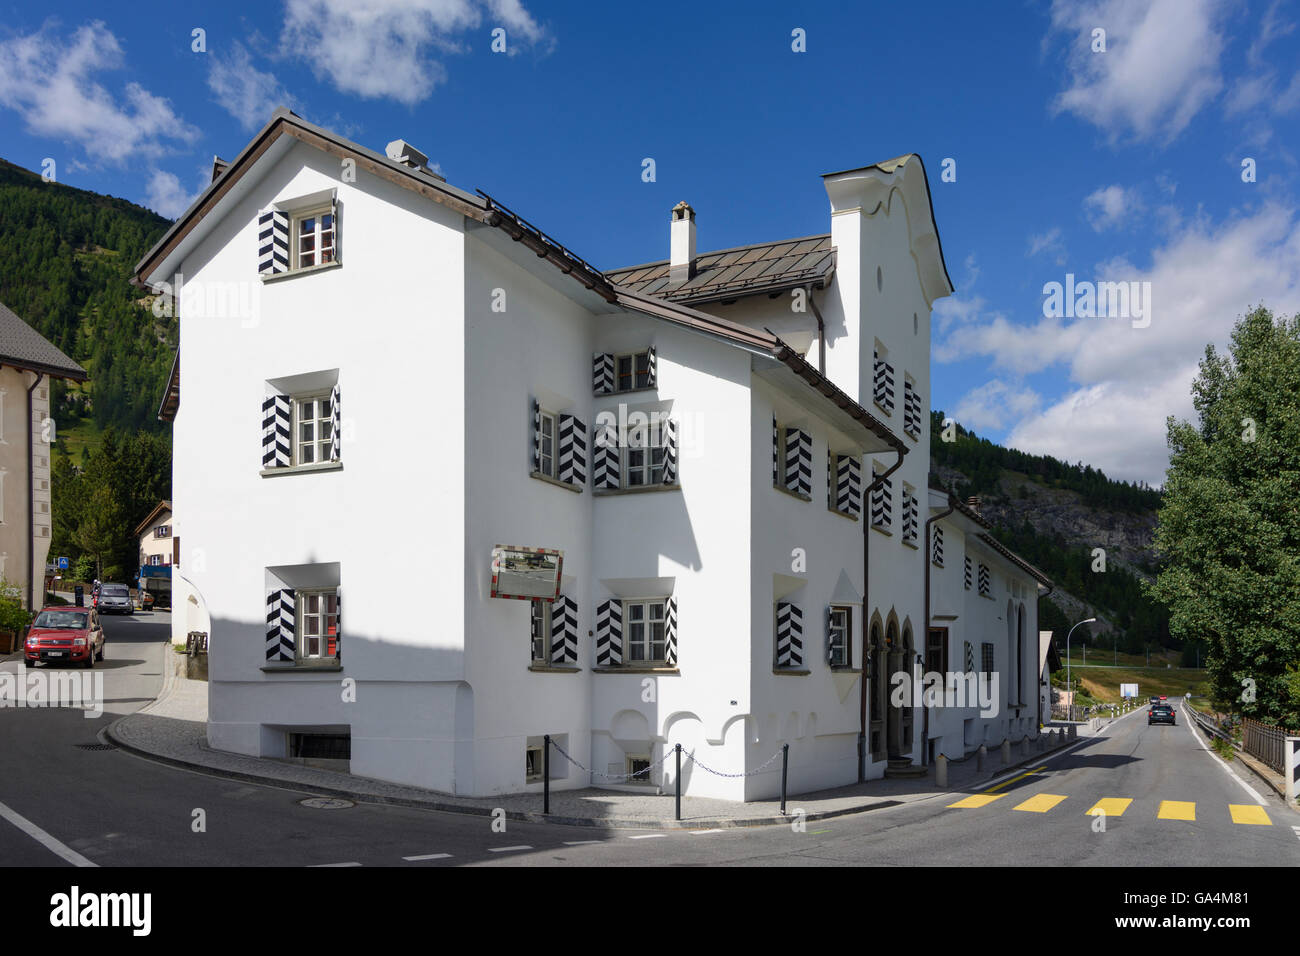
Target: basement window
[638,768]
[321,746]
[533,765]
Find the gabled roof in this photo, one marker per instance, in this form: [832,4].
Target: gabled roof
[153,516]
[23,347]
[745,270]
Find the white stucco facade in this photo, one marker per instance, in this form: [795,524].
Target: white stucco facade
[434,335]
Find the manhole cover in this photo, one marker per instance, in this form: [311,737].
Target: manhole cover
[326,803]
[93,746]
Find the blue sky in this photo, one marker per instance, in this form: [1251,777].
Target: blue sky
[1122,165]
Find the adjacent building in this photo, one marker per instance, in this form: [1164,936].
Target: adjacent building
[389,380]
[157,551]
[28,364]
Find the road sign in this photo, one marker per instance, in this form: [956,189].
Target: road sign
[63,564]
[1128,690]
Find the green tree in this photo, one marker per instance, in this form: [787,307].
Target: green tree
[1229,526]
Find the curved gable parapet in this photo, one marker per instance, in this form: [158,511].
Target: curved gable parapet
[874,188]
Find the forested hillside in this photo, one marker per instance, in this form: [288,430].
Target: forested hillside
[1055,515]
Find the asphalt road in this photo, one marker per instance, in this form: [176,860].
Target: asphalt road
[110,808]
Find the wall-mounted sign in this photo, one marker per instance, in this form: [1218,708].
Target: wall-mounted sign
[526,574]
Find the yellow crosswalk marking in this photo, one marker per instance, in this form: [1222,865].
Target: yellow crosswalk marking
[1176,810]
[1110,806]
[1249,813]
[1040,803]
[977,800]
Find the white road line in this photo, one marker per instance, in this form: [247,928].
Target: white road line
[581,842]
[1188,722]
[714,830]
[44,839]
[507,849]
[428,856]
[648,836]
[316,866]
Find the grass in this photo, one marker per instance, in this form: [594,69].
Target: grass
[1102,656]
[1102,684]
[75,438]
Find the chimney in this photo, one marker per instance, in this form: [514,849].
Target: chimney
[406,154]
[681,259]
[973,503]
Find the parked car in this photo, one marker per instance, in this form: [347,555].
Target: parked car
[71,635]
[115,599]
[1161,714]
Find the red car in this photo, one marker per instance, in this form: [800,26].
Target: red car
[65,635]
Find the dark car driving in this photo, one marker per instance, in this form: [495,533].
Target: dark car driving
[114,599]
[1161,714]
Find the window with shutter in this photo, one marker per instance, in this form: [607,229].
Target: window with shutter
[910,517]
[563,631]
[985,582]
[789,635]
[798,462]
[602,373]
[848,485]
[839,636]
[882,506]
[883,384]
[669,437]
[609,633]
[336,424]
[277,431]
[605,457]
[936,550]
[967,575]
[670,632]
[280,626]
[272,242]
[572,447]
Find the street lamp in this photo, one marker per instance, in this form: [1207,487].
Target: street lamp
[1091,620]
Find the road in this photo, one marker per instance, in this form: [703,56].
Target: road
[109,808]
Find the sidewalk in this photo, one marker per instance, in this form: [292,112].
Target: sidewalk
[173,730]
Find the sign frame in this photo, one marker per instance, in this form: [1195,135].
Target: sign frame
[498,565]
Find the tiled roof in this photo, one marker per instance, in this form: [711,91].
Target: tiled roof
[731,273]
[23,346]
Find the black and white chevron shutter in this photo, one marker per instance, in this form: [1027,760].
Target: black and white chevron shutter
[882,506]
[670,451]
[968,574]
[909,517]
[984,579]
[272,242]
[605,468]
[537,436]
[798,461]
[564,630]
[602,373]
[848,486]
[970,657]
[609,633]
[280,642]
[573,451]
[936,551]
[652,367]
[336,424]
[670,632]
[883,384]
[338,623]
[789,635]
[776,444]
[277,431]
[830,635]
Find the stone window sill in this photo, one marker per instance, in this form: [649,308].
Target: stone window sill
[553,669]
[793,494]
[303,667]
[846,670]
[637,669]
[843,514]
[302,469]
[790,671]
[576,489]
[885,531]
[911,543]
[626,391]
[294,273]
[638,490]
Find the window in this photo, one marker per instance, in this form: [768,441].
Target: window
[632,371]
[936,650]
[986,659]
[321,746]
[317,625]
[882,386]
[789,635]
[643,457]
[546,445]
[910,514]
[541,632]
[162,531]
[638,768]
[533,765]
[882,501]
[155,560]
[985,581]
[839,638]
[646,642]
[313,430]
[313,238]
[792,460]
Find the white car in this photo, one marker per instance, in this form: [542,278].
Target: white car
[115,599]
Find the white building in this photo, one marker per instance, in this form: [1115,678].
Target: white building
[714,588]
[157,548]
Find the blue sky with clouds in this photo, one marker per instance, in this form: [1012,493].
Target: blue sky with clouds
[1122,165]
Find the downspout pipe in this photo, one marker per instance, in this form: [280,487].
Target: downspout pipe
[31,505]
[925,711]
[900,449]
[821,332]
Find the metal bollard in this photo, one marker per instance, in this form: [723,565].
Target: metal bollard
[546,775]
[941,771]
[1006,751]
[979,757]
[678,780]
[1024,746]
[785,764]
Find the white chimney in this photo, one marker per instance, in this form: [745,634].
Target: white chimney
[406,154]
[681,258]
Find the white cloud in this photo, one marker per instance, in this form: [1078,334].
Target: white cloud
[49,81]
[166,196]
[248,94]
[1109,206]
[1050,243]
[992,404]
[381,49]
[1126,380]
[1160,68]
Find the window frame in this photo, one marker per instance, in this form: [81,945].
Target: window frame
[540,622]
[847,634]
[936,641]
[553,433]
[296,422]
[300,638]
[296,219]
[650,468]
[635,372]
[648,621]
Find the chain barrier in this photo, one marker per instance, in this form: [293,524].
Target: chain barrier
[645,772]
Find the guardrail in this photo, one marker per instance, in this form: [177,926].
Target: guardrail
[1209,726]
[1265,742]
